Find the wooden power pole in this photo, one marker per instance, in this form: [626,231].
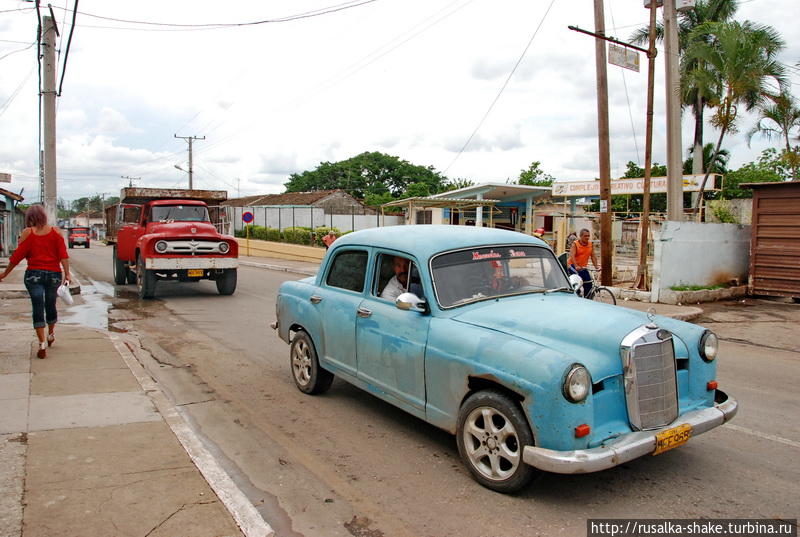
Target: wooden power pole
[49,34]
[604,146]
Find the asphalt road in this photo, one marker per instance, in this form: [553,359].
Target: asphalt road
[346,463]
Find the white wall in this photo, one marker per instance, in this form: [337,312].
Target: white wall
[283,217]
[692,253]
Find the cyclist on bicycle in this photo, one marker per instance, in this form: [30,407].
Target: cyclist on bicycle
[578,262]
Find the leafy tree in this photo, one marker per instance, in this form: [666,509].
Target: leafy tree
[80,205]
[535,176]
[457,184]
[735,63]
[777,118]
[765,170]
[691,94]
[368,174]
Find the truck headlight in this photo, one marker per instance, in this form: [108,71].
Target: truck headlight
[161,246]
[577,383]
[709,346]
[224,247]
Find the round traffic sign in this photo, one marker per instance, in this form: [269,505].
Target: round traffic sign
[247,217]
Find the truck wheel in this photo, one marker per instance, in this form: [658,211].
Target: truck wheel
[309,377]
[492,432]
[120,269]
[145,280]
[226,283]
[87,244]
[70,245]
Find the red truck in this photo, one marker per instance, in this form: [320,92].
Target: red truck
[171,234]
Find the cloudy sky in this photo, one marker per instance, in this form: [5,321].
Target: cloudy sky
[412,78]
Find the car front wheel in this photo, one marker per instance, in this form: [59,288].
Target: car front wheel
[309,377]
[492,432]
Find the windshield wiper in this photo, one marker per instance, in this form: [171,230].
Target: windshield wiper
[569,289]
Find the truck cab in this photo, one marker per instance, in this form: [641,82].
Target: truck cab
[162,234]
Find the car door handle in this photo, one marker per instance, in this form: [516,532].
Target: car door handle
[363,312]
[315,299]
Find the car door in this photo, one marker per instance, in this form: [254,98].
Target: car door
[338,298]
[390,341]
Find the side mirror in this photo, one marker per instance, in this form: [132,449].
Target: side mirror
[575,281]
[410,301]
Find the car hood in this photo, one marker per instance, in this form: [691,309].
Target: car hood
[203,230]
[584,331]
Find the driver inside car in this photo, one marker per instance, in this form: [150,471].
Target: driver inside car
[399,282]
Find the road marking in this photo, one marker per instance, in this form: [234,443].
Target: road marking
[765,436]
[244,513]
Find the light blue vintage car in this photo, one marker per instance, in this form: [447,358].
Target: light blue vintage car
[478,331]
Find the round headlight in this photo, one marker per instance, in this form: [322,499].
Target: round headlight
[161,246]
[224,247]
[577,383]
[709,346]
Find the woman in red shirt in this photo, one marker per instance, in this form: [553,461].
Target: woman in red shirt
[43,246]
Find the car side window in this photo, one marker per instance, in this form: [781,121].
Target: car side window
[396,275]
[348,270]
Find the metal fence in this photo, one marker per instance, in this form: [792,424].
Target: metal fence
[282,217]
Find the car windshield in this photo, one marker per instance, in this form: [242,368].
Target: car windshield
[182,213]
[79,230]
[488,272]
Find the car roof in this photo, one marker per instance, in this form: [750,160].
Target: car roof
[425,241]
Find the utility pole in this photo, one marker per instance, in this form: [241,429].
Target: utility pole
[642,279]
[604,145]
[48,38]
[130,179]
[673,83]
[190,139]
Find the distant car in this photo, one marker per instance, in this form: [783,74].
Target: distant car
[78,236]
[487,340]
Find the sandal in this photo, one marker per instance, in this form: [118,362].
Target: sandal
[42,352]
[51,338]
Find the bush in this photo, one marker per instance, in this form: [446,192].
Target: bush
[297,235]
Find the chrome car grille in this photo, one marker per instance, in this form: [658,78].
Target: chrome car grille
[651,388]
[192,247]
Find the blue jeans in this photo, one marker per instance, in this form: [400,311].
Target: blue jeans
[42,286]
[585,276]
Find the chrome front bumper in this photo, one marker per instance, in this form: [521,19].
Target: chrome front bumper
[629,446]
[180,263]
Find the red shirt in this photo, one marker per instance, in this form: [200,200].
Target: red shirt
[43,252]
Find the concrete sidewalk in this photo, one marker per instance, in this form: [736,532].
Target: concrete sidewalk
[90,446]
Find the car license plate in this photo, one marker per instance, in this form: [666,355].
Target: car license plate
[195,273]
[672,438]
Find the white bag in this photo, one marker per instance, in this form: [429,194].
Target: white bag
[64,294]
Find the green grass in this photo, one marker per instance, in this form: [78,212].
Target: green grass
[696,287]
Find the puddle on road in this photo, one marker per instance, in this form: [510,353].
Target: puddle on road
[104,306]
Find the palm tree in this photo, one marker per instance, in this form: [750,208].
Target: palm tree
[704,11]
[735,63]
[719,165]
[777,118]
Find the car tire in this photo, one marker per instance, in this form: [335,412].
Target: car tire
[493,452]
[120,269]
[226,282]
[308,376]
[145,280]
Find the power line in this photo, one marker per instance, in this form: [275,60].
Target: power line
[217,25]
[66,53]
[502,88]
[5,106]
[18,50]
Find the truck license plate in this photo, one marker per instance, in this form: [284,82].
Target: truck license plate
[195,273]
[672,438]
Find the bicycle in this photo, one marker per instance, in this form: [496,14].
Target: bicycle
[598,293]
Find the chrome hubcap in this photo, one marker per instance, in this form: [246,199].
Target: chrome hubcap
[492,443]
[301,363]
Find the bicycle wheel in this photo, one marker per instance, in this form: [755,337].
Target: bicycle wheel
[604,295]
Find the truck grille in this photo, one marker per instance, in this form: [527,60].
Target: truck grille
[192,247]
[651,388]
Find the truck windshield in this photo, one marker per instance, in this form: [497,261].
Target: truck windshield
[182,213]
[489,272]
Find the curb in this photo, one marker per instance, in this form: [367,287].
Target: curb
[249,520]
[280,268]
